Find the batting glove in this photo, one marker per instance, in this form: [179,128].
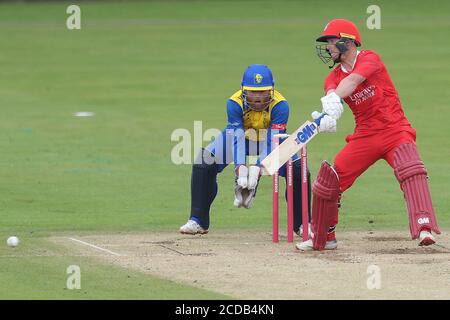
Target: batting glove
[332,105]
[327,123]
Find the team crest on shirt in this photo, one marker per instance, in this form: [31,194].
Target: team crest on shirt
[258,78]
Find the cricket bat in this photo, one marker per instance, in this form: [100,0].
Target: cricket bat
[293,144]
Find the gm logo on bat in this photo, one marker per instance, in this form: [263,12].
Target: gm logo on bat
[306,133]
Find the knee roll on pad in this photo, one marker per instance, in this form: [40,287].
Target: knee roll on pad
[324,191]
[411,173]
[407,163]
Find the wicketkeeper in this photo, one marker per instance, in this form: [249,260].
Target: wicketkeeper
[382,132]
[255,113]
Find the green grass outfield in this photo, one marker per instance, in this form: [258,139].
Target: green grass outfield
[148,68]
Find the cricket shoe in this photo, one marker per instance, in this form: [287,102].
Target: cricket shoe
[308,245]
[299,232]
[192,227]
[426,238]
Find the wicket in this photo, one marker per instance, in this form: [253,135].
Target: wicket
[290,195]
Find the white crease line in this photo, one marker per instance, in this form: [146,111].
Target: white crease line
[96,247]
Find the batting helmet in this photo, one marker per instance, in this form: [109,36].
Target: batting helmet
[257,77]
[341,28]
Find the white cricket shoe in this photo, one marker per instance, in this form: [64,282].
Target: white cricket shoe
[192,227]
[299,232]
[308,245]
[426,238]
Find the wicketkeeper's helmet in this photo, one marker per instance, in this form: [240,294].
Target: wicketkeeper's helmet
[257,77]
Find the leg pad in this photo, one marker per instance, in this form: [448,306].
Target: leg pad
[412,176]
[325,204]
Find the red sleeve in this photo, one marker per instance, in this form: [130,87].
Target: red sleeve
[368,64]
[330,82]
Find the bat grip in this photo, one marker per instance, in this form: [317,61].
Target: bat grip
[317,121]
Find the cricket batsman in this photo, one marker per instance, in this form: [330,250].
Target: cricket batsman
[255,113]
[382,132]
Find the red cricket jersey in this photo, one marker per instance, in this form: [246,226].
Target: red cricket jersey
[375,102]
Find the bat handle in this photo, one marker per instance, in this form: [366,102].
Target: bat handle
[317,121]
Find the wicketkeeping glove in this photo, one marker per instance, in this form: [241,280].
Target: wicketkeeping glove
[242,176]
[253,177]
[243,197]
